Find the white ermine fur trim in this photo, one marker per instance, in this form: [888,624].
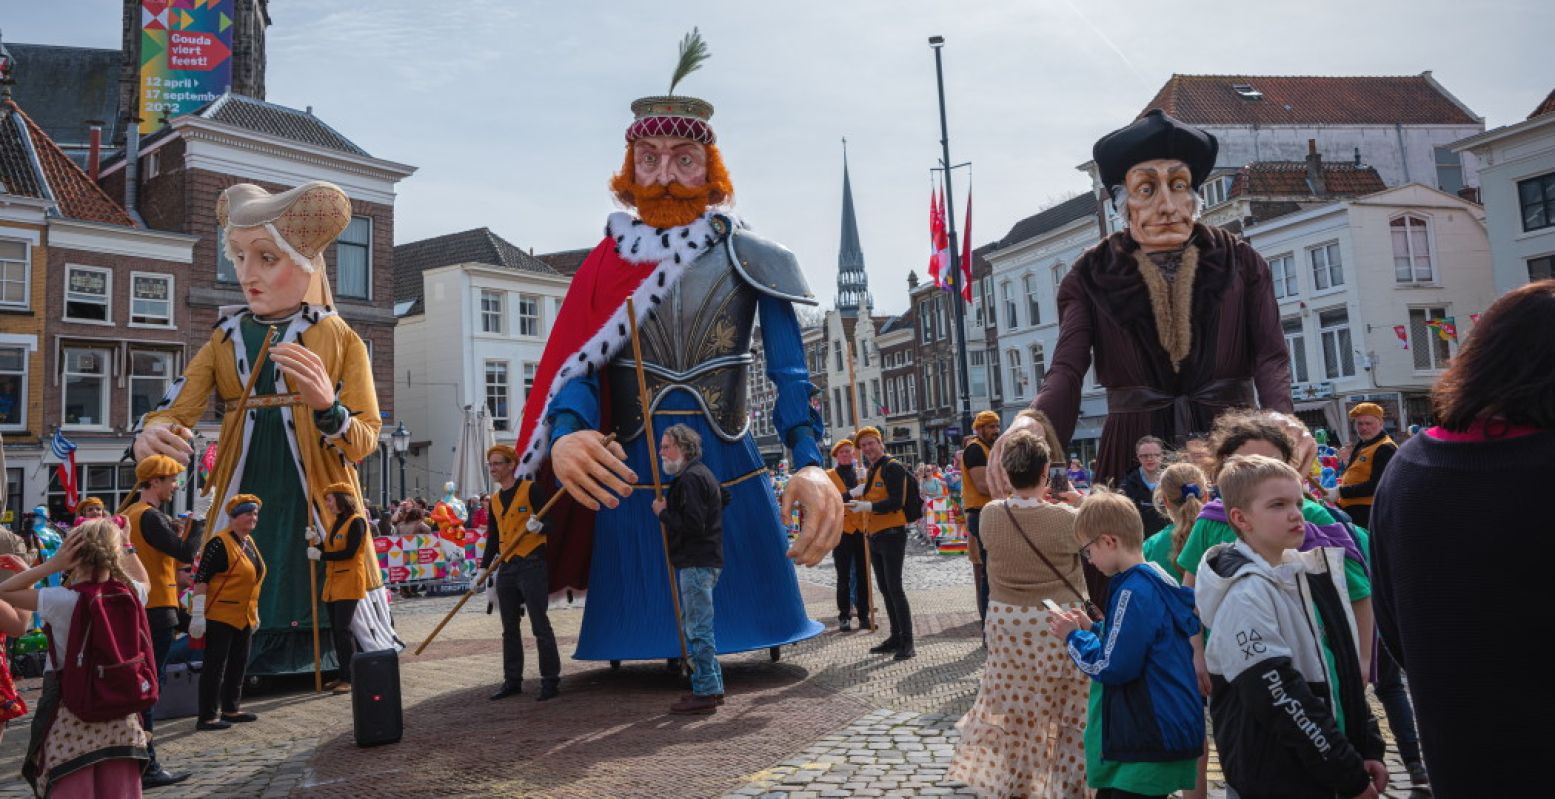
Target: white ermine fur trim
[673,249]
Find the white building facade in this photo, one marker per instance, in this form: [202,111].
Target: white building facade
[1517,186]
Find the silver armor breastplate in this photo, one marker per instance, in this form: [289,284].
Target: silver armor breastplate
[698,340]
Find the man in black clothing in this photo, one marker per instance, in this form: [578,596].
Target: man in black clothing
[975,493]
[848,556]
[514,533]
[1139,484]
[692,514]
[880,498]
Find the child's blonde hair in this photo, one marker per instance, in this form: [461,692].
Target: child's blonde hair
[1111,513]
[1179,496]
[102,546]
[1241,475]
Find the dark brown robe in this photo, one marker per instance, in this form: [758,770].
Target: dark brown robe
[1222,342]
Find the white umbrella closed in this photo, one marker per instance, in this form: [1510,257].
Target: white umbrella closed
[475,437]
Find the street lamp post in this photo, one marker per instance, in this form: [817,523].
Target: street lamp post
[401,439]
[962,370]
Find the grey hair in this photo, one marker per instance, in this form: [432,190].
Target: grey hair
[1120,200]
[688,440]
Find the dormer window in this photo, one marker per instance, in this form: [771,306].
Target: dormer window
[1246,91]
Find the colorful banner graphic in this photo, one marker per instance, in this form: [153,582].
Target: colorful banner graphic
[185,57]
[429,557]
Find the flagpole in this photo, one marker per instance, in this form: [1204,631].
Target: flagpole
[936,43]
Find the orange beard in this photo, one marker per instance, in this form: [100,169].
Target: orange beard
[673,205]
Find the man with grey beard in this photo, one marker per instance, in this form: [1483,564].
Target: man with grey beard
[692,514]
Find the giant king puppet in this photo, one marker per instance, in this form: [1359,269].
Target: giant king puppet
[699,280]
[310,416]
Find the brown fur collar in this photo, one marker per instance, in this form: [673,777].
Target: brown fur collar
[1171,304]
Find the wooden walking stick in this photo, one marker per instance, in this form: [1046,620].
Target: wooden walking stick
[658,487]
[313,592]
[507,550]
[869,591]
[227,449]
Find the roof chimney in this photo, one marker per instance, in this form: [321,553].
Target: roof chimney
[94,152]
[1357,157]
[912,279]
[1315,169]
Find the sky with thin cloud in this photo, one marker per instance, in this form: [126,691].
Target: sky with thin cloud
[514,110]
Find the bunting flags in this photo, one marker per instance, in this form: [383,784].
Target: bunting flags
[1446,328]
[65,449]
[1403,336]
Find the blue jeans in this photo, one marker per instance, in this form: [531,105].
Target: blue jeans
[696,612]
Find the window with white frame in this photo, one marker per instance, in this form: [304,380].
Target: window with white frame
[109,482]
[492,311]
[13,388]
[977,370]
[497,395]
[1338,353]
[1536,200]
[1018,377]
[1216,190]
[528,315]
[1033,309]
[85,395]
[1541,268]
[1007,294]
[1296,345]
[892,406]
[150,374]
[529,379]
[13,273]
[151,299]
[1411,250]
[1038,368]
[836,398]
[986,292]
[925,322]
[353,259]
[836,351]
[940,327]
[1282,272]
[1060,271]
[88,291]
[1430,350]
[1327,267]
[863,352]
[1449,170]
[874,396]
[912,395]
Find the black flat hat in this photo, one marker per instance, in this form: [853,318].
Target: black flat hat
[1155,135]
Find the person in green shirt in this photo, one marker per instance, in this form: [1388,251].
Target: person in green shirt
[1180,494]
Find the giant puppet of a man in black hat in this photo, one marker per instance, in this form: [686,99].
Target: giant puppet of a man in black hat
[1179,317]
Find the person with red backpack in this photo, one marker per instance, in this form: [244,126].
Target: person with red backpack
[87,736]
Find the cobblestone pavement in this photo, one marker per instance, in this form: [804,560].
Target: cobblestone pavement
[828,719]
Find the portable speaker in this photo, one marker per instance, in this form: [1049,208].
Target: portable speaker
[180,697]
[375,698]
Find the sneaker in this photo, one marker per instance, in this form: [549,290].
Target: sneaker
[844,625]
[696,706]
[885,647]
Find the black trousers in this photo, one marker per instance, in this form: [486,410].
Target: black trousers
[522,584]
[163,630]
[341,611]
[888,550]
[852,580]
[226,661]
[974,525]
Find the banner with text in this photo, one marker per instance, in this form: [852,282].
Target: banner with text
[185,57]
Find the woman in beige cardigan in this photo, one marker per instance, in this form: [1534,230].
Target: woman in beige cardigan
[1024,736]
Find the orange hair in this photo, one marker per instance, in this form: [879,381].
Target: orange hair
[720,188]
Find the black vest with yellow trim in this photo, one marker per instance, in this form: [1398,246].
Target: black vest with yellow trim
[1360,470]
[877,493]
[851,522]
[345,579]
[511,521]
[232,597]
[161,568]
[971,498]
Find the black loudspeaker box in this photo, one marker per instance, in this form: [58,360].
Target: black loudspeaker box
[375,698]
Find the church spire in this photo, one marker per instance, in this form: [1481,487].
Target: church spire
[852,282]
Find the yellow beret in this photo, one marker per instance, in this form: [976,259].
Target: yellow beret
[846,442]
[985,417]
[1367,409]
[342,487]
[156,466]
[867,431]
[241,500]
[89,502]
[505,451]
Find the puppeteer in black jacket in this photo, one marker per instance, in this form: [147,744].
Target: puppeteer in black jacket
[693,517]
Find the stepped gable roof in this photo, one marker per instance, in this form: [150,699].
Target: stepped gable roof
[478,246]
[1309,100]
[32,165]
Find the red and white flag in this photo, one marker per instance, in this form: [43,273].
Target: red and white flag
[1403,337]
[966,252]
[939,240]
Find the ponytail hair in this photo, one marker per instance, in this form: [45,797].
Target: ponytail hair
[102,549]
[1179,496]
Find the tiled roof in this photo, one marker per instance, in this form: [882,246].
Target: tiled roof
[77,196]
[1546,107]
[567,261]
[277,120]
[1308,100]
[1077,207]
[1289,179]
[478,246]
[66,86]
[17,175]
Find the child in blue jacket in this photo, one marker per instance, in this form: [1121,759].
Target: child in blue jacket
[1146,727]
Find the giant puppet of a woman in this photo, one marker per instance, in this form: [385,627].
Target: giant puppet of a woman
[311,416]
